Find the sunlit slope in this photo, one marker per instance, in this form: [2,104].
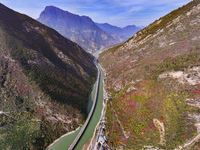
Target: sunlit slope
[154,82]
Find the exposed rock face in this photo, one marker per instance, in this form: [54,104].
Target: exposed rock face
[80,29]
[179,35]
[190,76]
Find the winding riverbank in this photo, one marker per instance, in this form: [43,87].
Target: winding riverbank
[53,145]
[64,142]
[102,114]
[73,145]
[89,131]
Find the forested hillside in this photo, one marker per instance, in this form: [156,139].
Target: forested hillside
[153,79]
[45,81]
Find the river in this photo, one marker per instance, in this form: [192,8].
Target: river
[65,142]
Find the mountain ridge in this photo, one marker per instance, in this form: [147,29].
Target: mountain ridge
[125,33]
[45,81]
[80,29]
[153,80]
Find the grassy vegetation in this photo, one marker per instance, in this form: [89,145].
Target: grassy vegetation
[16,136]
[136,111]
[166,20]
[178,63]
[138,94]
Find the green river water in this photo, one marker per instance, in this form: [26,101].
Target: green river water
[65,142]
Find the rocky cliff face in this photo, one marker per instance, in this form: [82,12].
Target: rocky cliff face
[45,81]
[80,29]
[154,76]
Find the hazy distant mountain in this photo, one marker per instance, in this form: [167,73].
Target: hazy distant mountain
[45,80]
[80,29]
[130,30]
[125,33]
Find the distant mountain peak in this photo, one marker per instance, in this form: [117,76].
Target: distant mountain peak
[80,29]
[125,32]
[129,26]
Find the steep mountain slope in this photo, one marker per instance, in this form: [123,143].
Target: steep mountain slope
[80,29]
[45,81]
[124,33]
[154,82]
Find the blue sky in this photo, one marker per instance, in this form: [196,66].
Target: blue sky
[116,12]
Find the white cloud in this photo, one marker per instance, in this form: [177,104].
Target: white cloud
[136,9]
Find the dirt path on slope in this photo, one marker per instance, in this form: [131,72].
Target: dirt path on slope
[121,127]
[161,128]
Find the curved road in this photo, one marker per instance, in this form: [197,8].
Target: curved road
[91,111]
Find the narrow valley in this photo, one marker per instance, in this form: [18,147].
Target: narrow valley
[69,82]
